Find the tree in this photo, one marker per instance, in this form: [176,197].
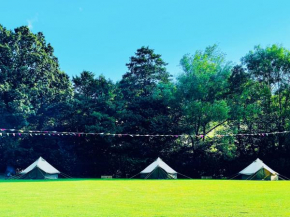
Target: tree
[202,89]
[31,87]
[145,70]
[264,100]
[145,107]
[94,111]
[30,79]
[271,67]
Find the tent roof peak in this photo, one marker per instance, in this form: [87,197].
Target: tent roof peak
[158,163]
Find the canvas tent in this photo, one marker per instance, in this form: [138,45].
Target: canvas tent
[158,170]
[257,171]
[40,169]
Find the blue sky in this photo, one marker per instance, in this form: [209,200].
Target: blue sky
[100,36]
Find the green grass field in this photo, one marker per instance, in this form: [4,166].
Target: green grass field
[144,198]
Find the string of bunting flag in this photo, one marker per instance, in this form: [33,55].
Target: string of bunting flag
[15,132]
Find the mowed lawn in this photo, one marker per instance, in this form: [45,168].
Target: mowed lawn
[144,198]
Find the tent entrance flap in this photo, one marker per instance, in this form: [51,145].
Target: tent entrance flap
[262,174]
[33,174]
[158,170]
[158,173]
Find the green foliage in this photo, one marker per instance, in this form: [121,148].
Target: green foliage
[30,79]
[269,65]
[202,88]
[145,70]
[259,100]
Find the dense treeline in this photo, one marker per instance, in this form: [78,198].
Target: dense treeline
[212,96]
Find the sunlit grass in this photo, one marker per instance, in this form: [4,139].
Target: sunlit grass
[144,198]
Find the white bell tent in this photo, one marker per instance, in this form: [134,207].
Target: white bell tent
[40,169]
[158,170]
[257,170]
